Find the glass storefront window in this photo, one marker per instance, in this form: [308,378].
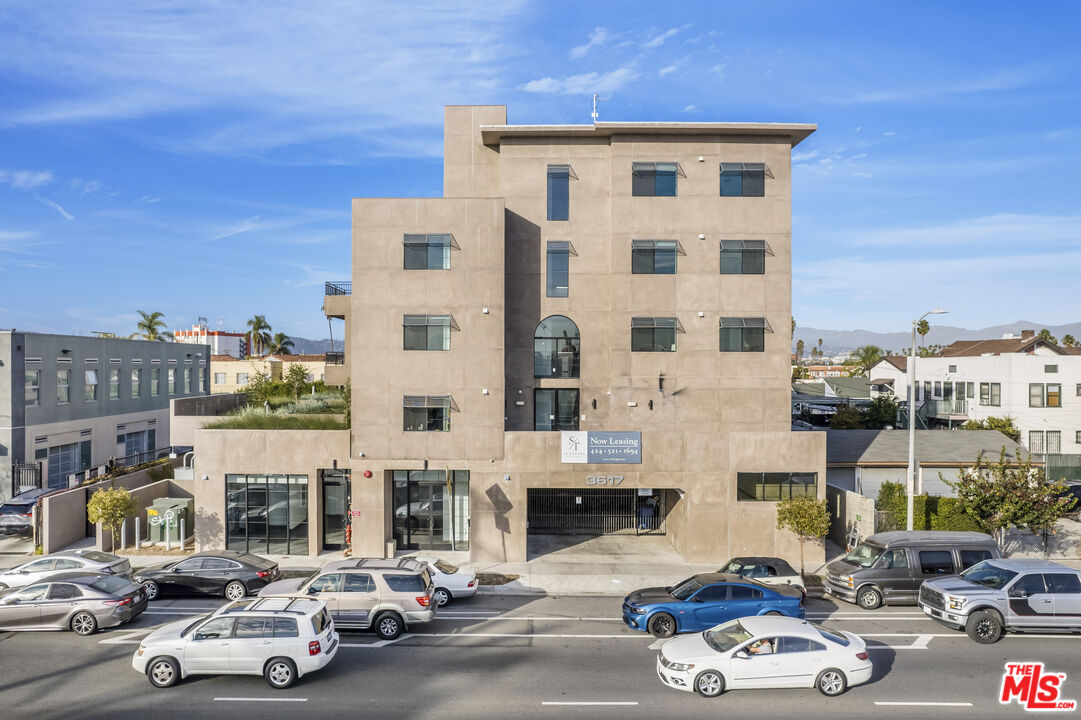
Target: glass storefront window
[267,514]
[424,519]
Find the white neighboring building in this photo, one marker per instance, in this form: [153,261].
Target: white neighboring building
[1035,382]
[221,343]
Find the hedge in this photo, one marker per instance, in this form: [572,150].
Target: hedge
[929,512]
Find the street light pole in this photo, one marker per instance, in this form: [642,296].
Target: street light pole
[911,488]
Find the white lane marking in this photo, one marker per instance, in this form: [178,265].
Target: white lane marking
[531,635]
[656,645]
[588,703]
[171,612]
[441,613]
[922,704]
[531,618]
[124,638]
[378,644]
[259,699]
[920,643]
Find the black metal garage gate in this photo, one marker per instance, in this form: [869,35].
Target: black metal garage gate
[594,511]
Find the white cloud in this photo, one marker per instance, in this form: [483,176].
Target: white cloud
[690,108]
[148,199]
[25,179]
[658,40]
[1003,80]
[86,187]
[889,132]
[800,157]
[718,69]
[56,206]
[596,38]
[17,242]
[668,70]
[1008,228]
[583,84]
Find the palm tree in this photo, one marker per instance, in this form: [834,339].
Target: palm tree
[1045,334]
[865,357]
[258,334]
[281,344]
[799,350]
[1069,341]
[922,328]
[150,327]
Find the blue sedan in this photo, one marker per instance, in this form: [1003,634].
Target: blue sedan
[703,601]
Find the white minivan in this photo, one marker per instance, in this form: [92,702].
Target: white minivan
[280,638]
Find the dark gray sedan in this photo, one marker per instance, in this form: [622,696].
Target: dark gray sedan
[80,600]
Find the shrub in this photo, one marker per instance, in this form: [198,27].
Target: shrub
[929,512]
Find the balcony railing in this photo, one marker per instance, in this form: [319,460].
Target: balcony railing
[335,358]
[947,408]
[339,288]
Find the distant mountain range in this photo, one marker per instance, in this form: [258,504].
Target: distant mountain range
[303,346]
[835,342]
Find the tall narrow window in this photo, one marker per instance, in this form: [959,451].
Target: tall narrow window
[654,179]
[996,394]
[654,257]
[744,257]
[558,269]
[559,181]
[428,252]
[985,393]
[1035,395]
[155,381]
[1054,395]
[555,409]
[556,348]
[1035,442]
[187,381]
[744,179]
[91,385]
[63,386]
[743,334]
[427,332]
[654,334]
[114,383]
[171,380]
[1053,442]
[136,383]
[427,413]
[33,386]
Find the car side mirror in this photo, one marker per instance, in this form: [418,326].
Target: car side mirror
[1018,593]
[742,655]
[697,599]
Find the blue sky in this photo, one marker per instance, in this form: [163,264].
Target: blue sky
[198,158]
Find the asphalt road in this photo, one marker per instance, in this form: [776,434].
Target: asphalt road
[518,658]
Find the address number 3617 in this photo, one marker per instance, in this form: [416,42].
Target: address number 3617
[604,479]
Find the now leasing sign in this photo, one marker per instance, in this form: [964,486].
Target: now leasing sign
[581,446]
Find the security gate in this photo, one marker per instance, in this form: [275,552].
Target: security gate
[594,511]
[25,476]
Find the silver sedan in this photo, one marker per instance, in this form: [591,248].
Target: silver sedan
[80,600]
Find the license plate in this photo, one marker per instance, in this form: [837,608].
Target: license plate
[829,591]
[928,610]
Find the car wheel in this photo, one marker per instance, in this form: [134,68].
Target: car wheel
[3,586]
[869,598]
[152,590]
[280,673]
[662,625]
[235,590]
[442,596]
[774,613]
[831,682]
[163,672]
[84,623]
[388,626]
[709,683]
[984,626]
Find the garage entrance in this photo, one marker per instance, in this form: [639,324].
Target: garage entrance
[595,511]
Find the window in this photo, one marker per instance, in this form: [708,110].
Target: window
[359,583]
[155,382]
[1078,390]
[558,275]
[744,179]
[91,386]
[200,385]
[926,390]
[220,564]
[114,384]
[744,257]
[63,386]
[1053,442]
[654,179]
[253,627]
[742,592]
[427,413]
[1028,585]
[1035,442]
[187,381]
[953,369]
[136,383]
[427,332]
[33,386]
[68,564]
[285,627]
[172,381]
[1077,437]
[1040,395]
[1050,368]
[327,583]
[775,485]
[971,557]
[991,394]
[428,252]
[405,583]
[219,378]
[798,644]
[712,593]
[936,562]
[266,514]
[970,390]
[555,409]
[654,334]
[559,182]
[242,378]
[1064,583]
[216,629]
[556,348]
[894,559]
[1054,395]
[64,591]
[743,334]
[654,257]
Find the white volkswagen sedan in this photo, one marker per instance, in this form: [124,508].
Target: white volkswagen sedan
[764,652]
[451,583]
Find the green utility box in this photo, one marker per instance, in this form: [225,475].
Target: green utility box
[169,511]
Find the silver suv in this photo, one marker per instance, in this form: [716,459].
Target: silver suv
[366,593]
[999,595]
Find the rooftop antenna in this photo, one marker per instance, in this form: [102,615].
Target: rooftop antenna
[595,99]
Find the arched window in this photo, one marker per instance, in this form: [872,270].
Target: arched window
[556,348]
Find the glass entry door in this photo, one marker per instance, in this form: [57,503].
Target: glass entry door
[425,518]
[335,507]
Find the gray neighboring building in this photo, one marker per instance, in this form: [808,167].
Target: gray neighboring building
[69,403]
[861,460]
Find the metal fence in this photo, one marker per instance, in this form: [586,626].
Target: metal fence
[128,461]
[25,476]
[339,288]
[335,358]
[594,511]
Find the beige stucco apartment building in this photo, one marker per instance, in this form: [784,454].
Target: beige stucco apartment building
[589,333]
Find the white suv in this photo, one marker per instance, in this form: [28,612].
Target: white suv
[280,638]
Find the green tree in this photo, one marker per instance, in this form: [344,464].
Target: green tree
[922,328]
[1007,494]
[259,389]
[864,358]
[1069,341]
[258,335]
[881,412]
[296,379]
[799,372]
[820,347]
[347,396]
[846,418]
[281,344]
[110,507]
[1045,334]
[807,517]
[799,350]
[1003,424]
[150,327]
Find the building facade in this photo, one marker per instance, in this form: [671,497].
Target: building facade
[70,403]
[230,374]
[221,343]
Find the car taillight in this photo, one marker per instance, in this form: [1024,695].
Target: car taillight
[862,656]
[118,603]
[264,573]
[314,648]
[424,600]
[472,582]
[107,570]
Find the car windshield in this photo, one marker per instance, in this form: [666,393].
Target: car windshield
[100,557]
[444,567]
[725,637]
[992,576]
[112,584]
[735,567]
[12,509]
[685,589]
[864,555]
[191,627]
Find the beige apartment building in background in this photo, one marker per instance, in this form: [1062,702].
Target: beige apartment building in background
[589,333]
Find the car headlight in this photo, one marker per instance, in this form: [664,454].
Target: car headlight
[680,667]
[846,580]
[636,610]
[141,650]
[956,603]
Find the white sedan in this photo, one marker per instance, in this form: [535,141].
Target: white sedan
[451,583]
[764,652]
[769,570]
